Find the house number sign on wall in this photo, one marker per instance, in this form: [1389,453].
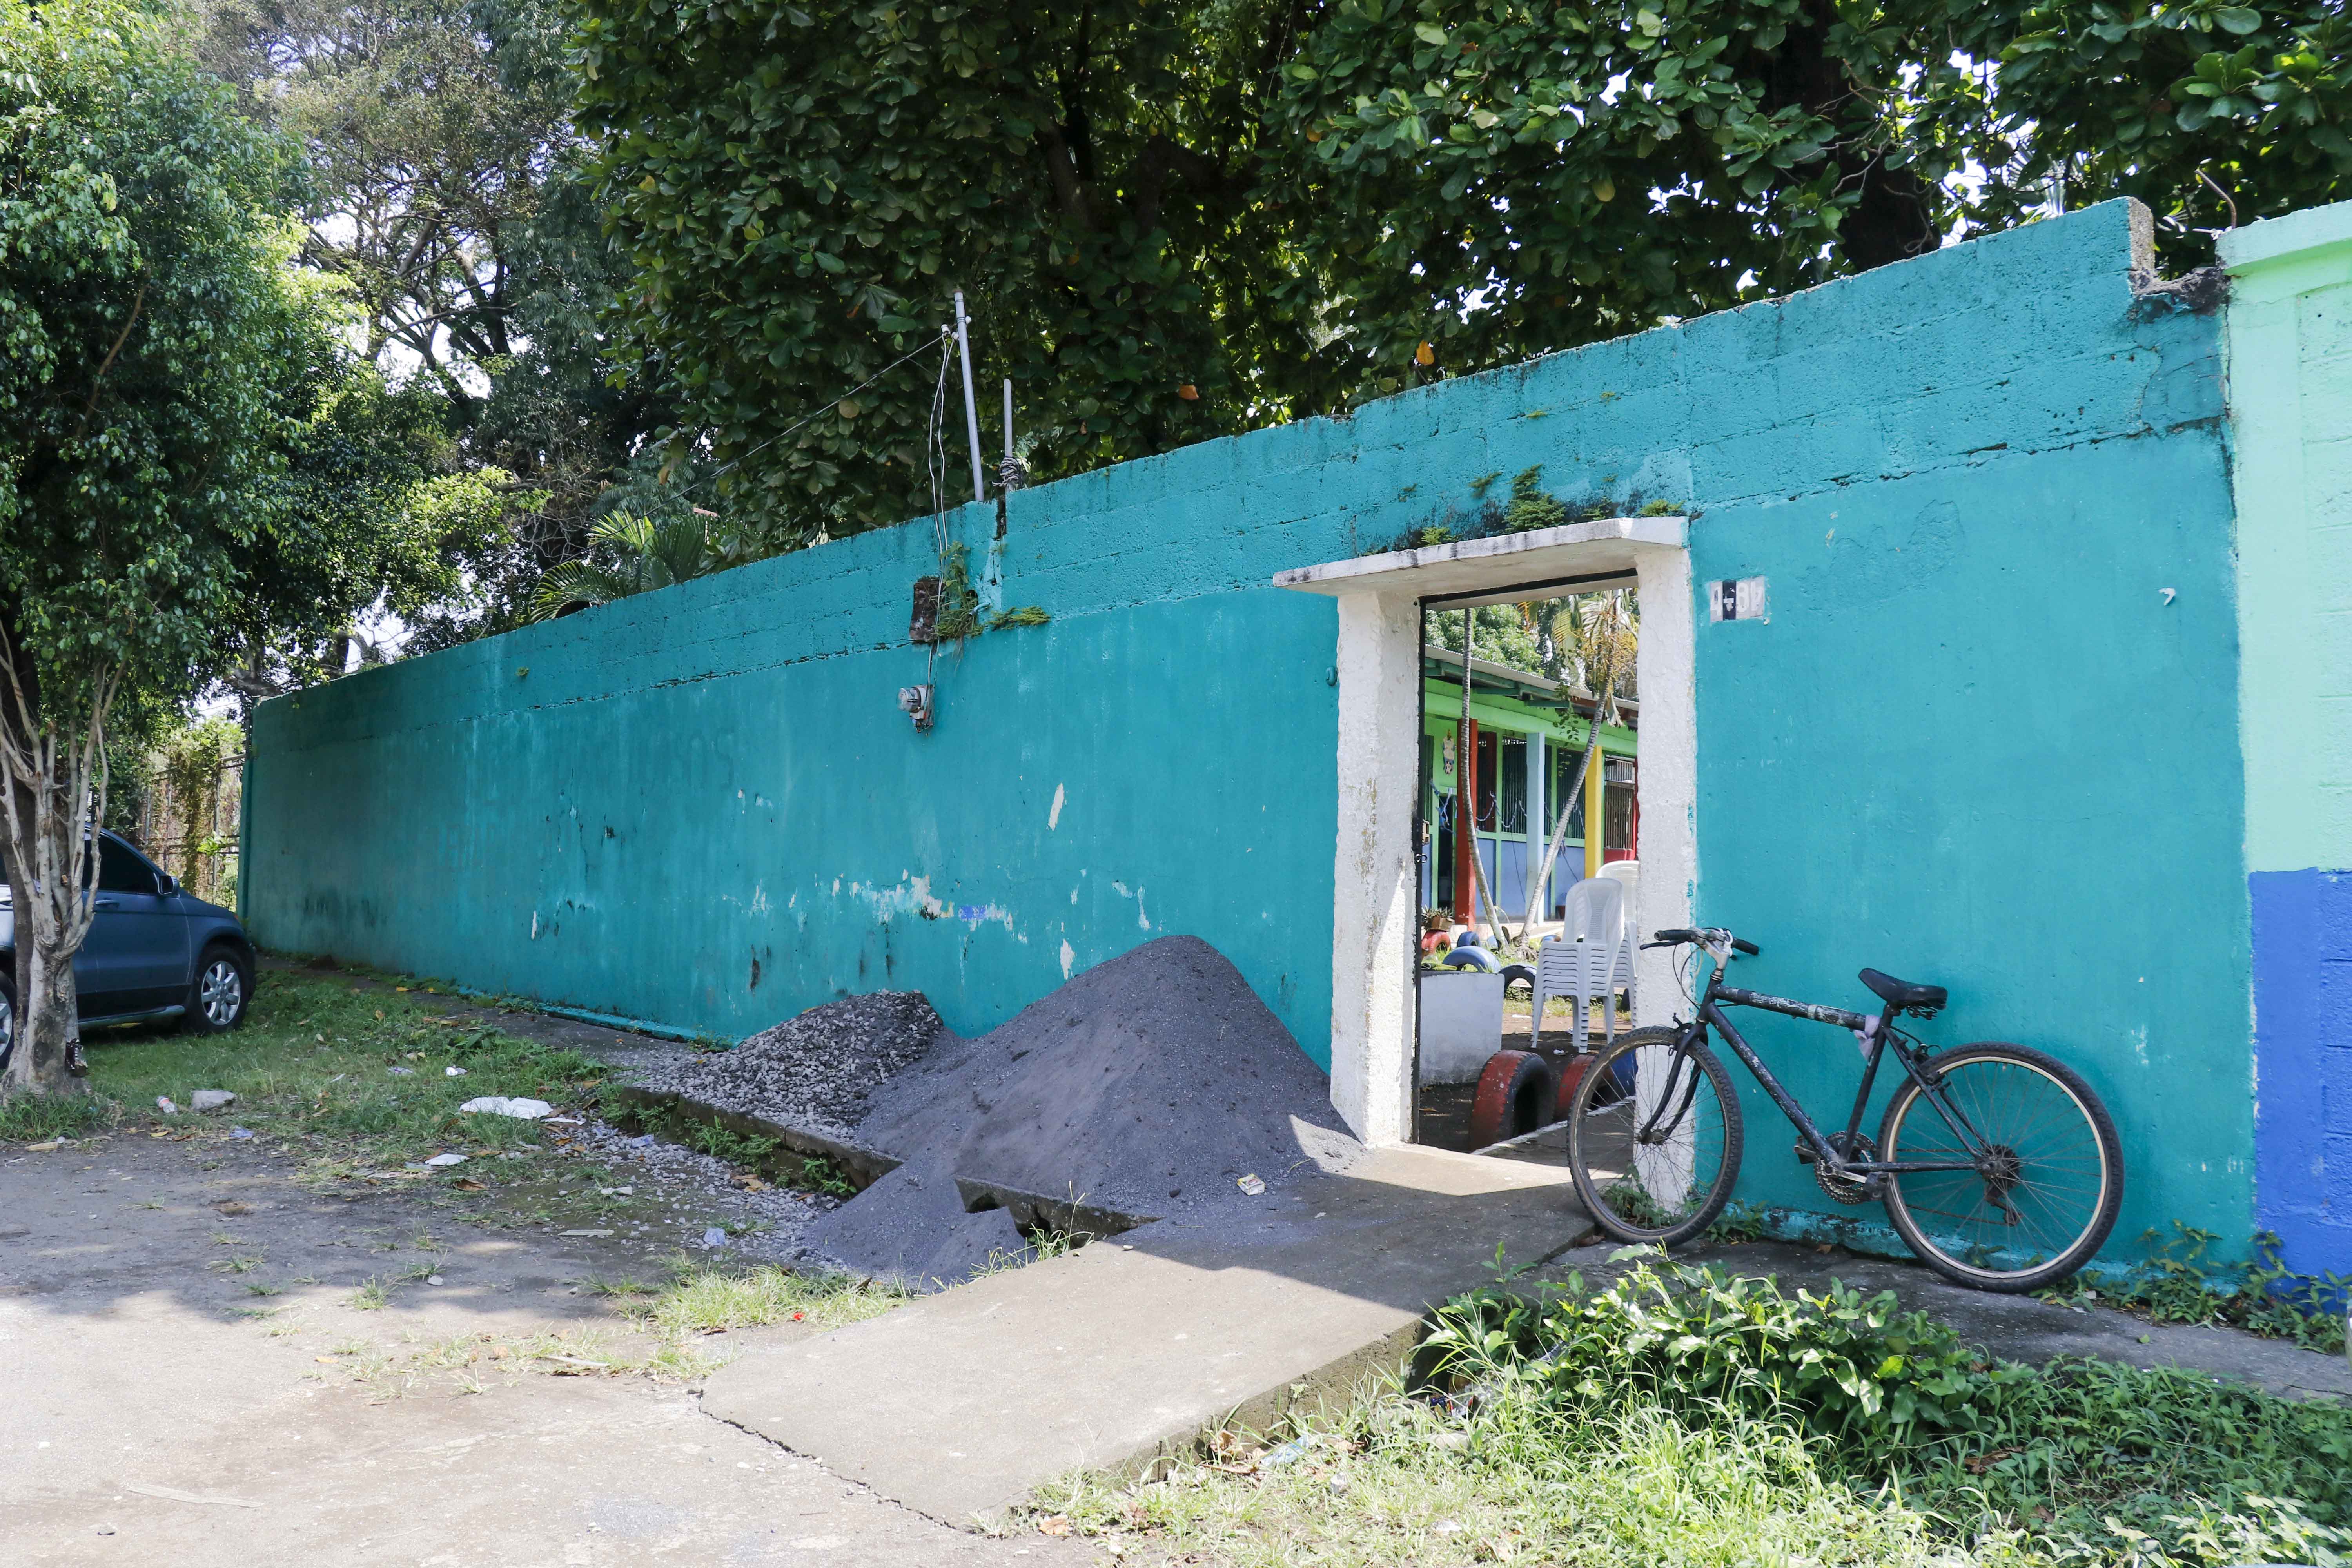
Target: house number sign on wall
[1736,599]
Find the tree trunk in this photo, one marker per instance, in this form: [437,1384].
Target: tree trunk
[48,1030]
[1893,215]
[52,794]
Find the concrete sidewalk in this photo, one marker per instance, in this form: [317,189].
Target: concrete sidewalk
[958,1404]
[961,1404]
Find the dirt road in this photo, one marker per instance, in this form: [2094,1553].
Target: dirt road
[198,1374]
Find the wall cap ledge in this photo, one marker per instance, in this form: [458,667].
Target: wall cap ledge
[1610,544]
[2280,238]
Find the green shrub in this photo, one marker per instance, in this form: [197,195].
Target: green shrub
[1863,1372]
[2142,1465]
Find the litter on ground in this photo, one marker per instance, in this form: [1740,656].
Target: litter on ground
[504,1105]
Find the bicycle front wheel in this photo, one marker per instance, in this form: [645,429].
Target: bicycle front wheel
[2045,1196]
[1656,1165]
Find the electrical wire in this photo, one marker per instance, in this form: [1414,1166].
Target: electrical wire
[946,334]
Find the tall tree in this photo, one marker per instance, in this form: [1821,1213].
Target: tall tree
[801,189]
[155,338]
[2212,113]
[1181,217]
[444,181]
[1498,180]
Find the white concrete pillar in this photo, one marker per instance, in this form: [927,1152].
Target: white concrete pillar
[1664,668]
[1539,820]
[1375,902]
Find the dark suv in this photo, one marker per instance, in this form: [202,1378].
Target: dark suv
[153,952]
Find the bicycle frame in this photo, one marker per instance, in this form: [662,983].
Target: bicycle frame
[1879,1031]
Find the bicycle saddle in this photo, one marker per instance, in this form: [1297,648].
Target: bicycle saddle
[1902,992]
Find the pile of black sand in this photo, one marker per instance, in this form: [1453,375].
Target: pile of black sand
[818,1069]
[1151,1085]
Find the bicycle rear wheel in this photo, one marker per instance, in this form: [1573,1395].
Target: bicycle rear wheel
[1655,1166]
[2058,1177]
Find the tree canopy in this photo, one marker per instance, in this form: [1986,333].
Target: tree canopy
[191,462]
[1176,218]
[147,319]
[442,183]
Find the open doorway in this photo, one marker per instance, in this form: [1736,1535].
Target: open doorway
[1377,850]
[1529,759]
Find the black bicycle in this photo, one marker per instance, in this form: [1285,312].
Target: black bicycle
[1997,1162]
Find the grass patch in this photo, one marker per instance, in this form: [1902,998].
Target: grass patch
[2182,1285]
[706,1299]
[355,1081]
[1389,1482]
[666,1331]
[37,1118]
[1683,1416]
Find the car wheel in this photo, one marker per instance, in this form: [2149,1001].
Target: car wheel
[224,984]
[7,1018]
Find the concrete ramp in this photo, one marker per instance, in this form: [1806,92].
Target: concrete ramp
[959,1404]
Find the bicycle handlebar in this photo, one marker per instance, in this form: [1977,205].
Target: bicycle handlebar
[1680,934]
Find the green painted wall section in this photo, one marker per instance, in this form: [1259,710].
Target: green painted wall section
[1972,742]
[2290,367]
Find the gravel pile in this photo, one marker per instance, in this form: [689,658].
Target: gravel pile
[1151,1085]
[777,1217]
[818,1069]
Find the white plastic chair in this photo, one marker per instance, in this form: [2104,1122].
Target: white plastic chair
[1629,872]
[1590,961]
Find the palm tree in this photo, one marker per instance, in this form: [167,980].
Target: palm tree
[634,555]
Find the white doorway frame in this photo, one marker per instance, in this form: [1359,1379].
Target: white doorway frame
[1375,898]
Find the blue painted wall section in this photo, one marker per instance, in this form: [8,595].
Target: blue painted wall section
[1973,743]
[2303,1013]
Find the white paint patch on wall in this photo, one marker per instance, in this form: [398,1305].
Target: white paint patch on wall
[913,896]
[1053,818]
[1068,958]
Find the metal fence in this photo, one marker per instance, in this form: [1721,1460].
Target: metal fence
[189,826]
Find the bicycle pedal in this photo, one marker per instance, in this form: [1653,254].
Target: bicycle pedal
[1805,1155]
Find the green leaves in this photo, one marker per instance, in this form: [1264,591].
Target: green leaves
[1277,208]
[1088,178]
[2192,108]
[145,303]
[1859,1369]
[634,556]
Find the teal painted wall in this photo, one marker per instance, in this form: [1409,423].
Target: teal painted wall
[686,811]
[1970,743]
